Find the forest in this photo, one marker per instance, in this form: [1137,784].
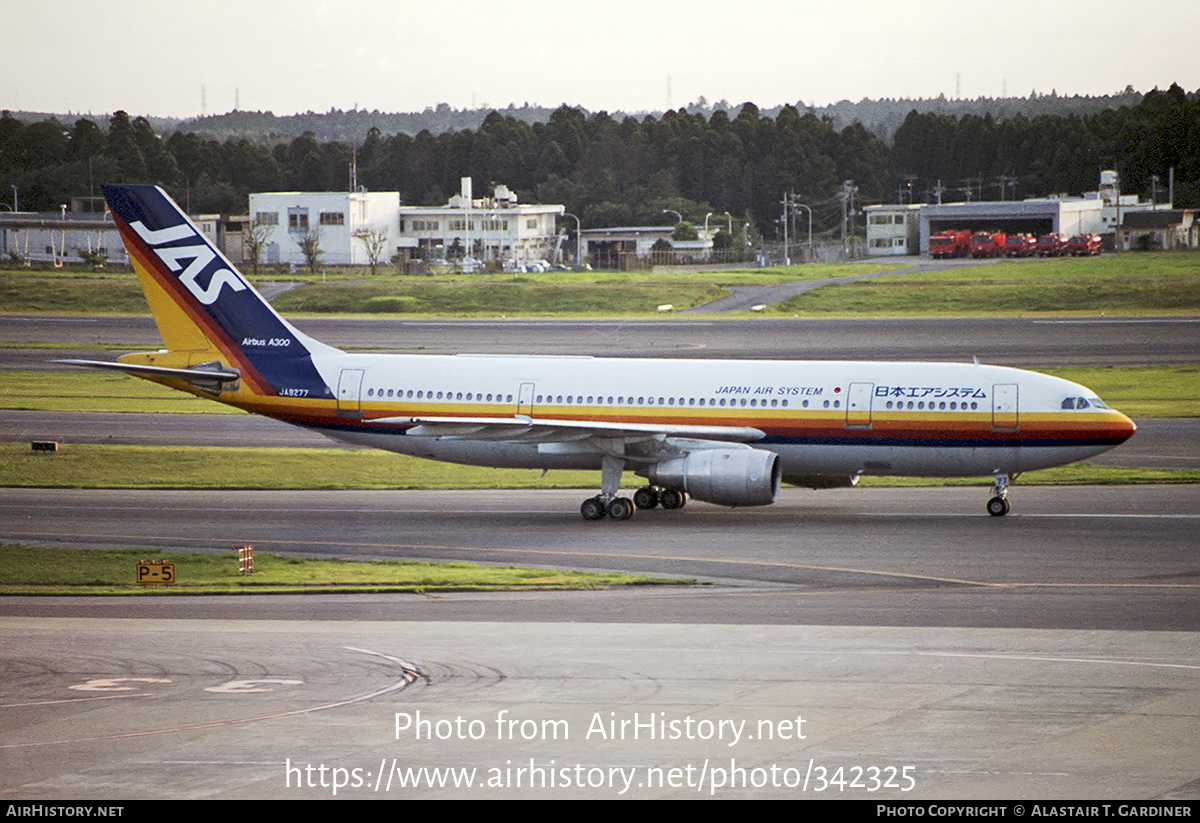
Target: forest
[625,170]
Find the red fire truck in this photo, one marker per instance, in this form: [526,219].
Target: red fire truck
[952,243]
[984,244]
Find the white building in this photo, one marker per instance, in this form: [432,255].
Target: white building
[60,238]
[496,230]
[342,222]
[474,231]
[893,230]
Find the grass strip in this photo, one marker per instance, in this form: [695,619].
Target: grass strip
[1132,283]
[98,392]
[193,467]
[925,298]
[26,570]
[198,467]
[354,290]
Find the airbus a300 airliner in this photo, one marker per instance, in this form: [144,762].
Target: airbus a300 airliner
[722,431]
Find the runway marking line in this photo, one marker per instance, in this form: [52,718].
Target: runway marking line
[717,560]
[72,700]
[408,675]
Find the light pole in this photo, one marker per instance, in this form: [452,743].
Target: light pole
[796,205]
[678,216]
[578,239]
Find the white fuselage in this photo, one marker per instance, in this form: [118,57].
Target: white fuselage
[820,417]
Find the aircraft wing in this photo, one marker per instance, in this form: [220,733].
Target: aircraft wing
[544,430]
[632,441]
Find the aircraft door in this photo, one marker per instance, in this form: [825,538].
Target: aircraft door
[1004,406]
[858,405]
[525,399]
[350,391]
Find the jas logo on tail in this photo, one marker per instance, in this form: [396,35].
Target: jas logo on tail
[200,254]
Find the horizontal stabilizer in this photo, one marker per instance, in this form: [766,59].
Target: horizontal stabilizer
[209,379]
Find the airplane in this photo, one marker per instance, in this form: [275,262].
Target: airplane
[721,431]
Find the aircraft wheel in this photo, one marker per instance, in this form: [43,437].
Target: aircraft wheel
[620,508]
[646,497]
[593,509]
[672,499]
[998,506]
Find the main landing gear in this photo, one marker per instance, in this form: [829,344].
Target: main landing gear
[607,504]
[998,506]
[622,508]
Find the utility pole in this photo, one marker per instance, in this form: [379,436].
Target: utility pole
[796,205]
[847,197]
[785,202]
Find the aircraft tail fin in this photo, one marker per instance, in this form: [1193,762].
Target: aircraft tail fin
[205,309]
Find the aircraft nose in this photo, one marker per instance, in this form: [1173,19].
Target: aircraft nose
[1123,427]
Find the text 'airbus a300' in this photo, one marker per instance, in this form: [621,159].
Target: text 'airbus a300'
[722,431]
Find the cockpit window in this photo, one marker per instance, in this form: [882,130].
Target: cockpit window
[1083,403]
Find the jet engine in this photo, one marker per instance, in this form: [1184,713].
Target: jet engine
[730,477]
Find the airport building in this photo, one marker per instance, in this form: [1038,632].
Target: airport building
[341,223]
[494,230]
[489,230]
[630,247]
[906,229]
[65,237]
[893,230]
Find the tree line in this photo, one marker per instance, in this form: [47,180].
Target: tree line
[611,171]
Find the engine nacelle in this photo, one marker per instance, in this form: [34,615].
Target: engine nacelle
[730,477]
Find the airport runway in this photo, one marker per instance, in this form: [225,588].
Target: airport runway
[1102,558]
[1049,654]
[932,652]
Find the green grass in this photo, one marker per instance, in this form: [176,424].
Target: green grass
[1133,284]
[196,467]
[97,392]
[355,290]
[923,298]
[476,299]
[42,571]
[71,294]
[1130,266]
[1076,474]
[220,468]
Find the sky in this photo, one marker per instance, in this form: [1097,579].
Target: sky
[173,59]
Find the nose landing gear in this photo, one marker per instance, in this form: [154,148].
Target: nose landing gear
[998,506]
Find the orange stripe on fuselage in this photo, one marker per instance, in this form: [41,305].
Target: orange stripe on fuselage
[778,423]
